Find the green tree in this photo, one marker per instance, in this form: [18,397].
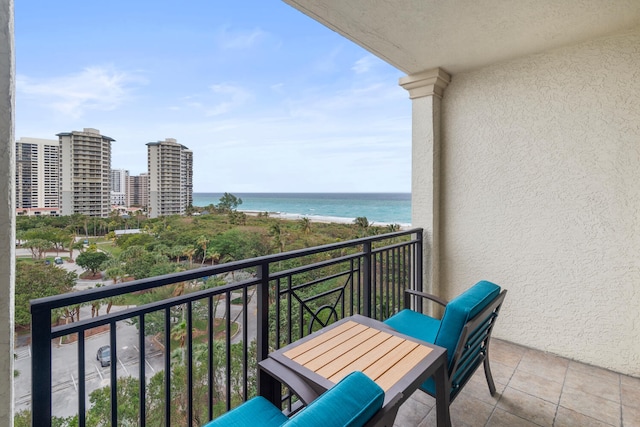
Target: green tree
[37,281]
[202,242]
[38,247]
[305,225]
[228,203]
[363,225]
[114,270]
[392,228]
[92,261]
[276,230]
[23,419]
[99,414]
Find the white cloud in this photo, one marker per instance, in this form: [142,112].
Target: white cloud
[229,98]
[94,88]
[364,64]
[239,39]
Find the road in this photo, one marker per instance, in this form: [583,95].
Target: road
[65,357]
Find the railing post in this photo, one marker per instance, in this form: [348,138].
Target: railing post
[366,278]
[267,385]
[263,312]
[419,260]
[41,384]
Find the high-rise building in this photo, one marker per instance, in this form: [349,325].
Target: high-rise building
[170,177]
[37,173]
[138,190]
[119,186]
[85,173]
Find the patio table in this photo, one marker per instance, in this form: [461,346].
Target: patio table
[396,362]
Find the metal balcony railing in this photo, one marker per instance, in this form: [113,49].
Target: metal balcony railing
[205,342]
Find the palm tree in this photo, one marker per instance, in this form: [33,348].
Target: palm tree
[276,231]
[114,270]
[203,242]
[189,252]
[179,333]
[305,225]
[392,228]
[214,256]
[363,224]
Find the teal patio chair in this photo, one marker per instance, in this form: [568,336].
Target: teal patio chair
[350,403]
[464,330]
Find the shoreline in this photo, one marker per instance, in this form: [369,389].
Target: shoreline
[319,218]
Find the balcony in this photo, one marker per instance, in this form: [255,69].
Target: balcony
[198,345]
[267,303]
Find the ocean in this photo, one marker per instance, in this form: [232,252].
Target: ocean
[378,208]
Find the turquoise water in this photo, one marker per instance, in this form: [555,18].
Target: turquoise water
[379,208]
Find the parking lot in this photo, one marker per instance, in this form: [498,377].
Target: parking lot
[65,368]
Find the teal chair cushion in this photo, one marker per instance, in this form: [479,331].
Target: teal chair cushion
[415,325]
[257,412]
[350,403]
[446,332]
[461,309]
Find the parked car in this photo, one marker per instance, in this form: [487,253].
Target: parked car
[104,355]
[58,260]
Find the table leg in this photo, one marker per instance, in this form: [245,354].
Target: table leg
[270,388]
[442,397]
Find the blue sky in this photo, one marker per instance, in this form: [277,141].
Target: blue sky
[268,99]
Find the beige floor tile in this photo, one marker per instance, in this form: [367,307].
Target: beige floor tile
[465,412]
[527,385]
[424,398]
[501,373]
[505,352]
[594,381]
[526,406]
[630,416]
[630,391]
[502,418]
[411,413]
[552,367]
[591,405]
[477,387]
[537,386]
[568,418]
[594,371]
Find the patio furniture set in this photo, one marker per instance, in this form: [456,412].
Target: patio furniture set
[358,371]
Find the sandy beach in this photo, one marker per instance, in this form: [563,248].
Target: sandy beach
[318,218]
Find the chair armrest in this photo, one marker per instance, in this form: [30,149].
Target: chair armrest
[286,376]
[441,301]
[387,415]
[351,402]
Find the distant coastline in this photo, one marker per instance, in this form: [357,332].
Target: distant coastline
[378,208]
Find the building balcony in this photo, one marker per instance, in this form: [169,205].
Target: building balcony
[197,347]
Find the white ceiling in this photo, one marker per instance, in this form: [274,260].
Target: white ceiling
[459,35]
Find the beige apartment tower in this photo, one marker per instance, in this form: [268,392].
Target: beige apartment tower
[37,173]
[170,168]
[85,173]
[138,190]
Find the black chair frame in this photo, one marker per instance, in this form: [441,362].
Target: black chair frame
[473,345]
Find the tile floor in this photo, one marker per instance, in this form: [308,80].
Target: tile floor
[535,389]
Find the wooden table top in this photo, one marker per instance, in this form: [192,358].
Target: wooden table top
[351,346]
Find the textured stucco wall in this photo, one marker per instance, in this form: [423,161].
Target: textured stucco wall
[541,194]
[7,210]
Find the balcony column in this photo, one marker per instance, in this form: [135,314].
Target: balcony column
[425,91]
[7,210]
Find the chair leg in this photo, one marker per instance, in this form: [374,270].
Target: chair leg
[487,373]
